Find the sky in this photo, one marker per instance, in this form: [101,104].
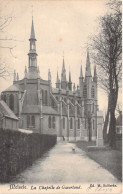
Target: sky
[60,27]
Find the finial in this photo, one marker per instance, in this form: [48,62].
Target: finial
[15,75]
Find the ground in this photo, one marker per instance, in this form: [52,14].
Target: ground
[65,163]
[108,159]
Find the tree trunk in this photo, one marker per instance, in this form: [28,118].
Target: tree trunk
[105,135]
[112,127]
[112,130]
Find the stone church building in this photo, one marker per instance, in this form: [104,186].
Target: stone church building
[67,111]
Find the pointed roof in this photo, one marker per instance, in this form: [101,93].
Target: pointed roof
[63,75]
[88,68]
[63,65]
[81,73]
[49,75]
[57,79]
[95,71]
[6,111]
[13,88]
[32,35]
[70,77]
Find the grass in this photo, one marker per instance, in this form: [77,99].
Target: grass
[108,159]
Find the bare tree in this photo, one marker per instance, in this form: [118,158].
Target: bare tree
[7,41]
[107,46]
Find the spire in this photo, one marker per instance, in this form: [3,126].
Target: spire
[57,79]
[95,71]
[81,73]
[88,69]
[49,75]
[95,74]
[14,79]
[69,77]
[32,35]
[32,51]
[63,75]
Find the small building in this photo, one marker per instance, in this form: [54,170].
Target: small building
[8,119]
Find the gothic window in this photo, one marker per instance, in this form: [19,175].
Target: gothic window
[85,91]
[11,102]
[53,122]
[92,92]
[28,121]
[63,123]
[45,97]
[78,123]
[49,121]
[71,123]
[33,121]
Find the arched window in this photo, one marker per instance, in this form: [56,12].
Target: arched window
[92,92]
[63,123]
[33,121]
[49,121]
[11,102]
[78,123]
[53,122]
[71,123]
[85,91]
[45,97]
[28,121]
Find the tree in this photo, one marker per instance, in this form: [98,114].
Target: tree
[107,46]
[7,41]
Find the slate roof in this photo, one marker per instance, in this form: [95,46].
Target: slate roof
[4,109]
[49,110]
[31,109]
[13,88]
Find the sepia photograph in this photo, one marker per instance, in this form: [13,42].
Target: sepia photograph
[61,96]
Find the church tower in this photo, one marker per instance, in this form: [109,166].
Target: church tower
[32,55]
